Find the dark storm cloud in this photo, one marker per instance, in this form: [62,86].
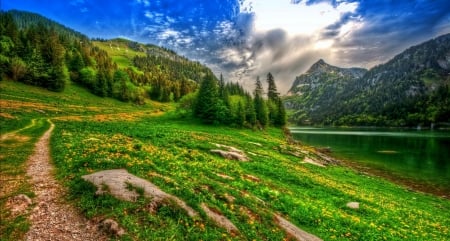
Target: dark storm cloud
[389,27]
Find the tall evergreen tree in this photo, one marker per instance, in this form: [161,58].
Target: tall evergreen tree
[272,93]
[250,113]
[240,114]
[277,113]
[260,105]
[207,104]
[281,117]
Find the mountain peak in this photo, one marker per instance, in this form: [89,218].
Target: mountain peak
[321,61]
[319,65]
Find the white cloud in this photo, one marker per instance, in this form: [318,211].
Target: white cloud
[144,2]
[149,15]
[286,39]
[298,19]
[168,33]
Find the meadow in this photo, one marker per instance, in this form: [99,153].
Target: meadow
[173,152]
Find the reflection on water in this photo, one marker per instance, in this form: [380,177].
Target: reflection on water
[420,155]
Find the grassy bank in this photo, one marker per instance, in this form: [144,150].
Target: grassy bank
[175,155]
[94,134]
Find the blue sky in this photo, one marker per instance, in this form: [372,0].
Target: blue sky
[246,38]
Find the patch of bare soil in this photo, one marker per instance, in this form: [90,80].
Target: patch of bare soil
[52,218]
[7,115]
[25,106]
[13,140]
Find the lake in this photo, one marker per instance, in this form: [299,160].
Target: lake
[417,158]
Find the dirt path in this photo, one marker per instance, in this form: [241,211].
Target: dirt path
[11,134]
[52,218]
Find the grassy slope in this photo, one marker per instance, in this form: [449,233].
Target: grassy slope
[20,106]
[175,155]
[121,54]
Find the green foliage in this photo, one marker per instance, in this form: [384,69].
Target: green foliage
[18,69]
[208,106]
[262,112]
[88,76]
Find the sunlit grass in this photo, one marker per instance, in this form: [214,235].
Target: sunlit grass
[94,134]
[174,155]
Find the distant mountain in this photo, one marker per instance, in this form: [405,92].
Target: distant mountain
[411,89]
[321,72]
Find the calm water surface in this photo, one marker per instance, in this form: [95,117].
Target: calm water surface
[420,156]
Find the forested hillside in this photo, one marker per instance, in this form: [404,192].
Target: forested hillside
[411,89]
[39,51]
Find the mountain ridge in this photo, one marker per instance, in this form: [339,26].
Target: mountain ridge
[410,89]
[314,74]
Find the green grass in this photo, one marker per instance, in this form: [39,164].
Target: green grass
[20,104]
[121,54]
[174,154]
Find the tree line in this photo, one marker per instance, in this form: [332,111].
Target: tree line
[217,102]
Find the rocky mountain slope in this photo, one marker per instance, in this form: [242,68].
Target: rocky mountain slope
[411,89]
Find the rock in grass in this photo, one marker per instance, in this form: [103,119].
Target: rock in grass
[231,155]
[123,185]
[112,227]
[18,204]
[219,219]
[294,231]
[353,205]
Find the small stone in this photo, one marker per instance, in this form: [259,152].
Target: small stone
[23,198]
[353,205]
[112,227]
[19,204]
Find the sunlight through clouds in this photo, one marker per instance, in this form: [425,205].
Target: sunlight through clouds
[297,18]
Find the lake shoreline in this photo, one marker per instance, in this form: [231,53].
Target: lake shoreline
[408,183]
[414,159]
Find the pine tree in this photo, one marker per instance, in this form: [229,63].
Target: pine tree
[240,114]
[281,117]
[260,105]
[277,113]
[272,93]
[250,113]
[207,103]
